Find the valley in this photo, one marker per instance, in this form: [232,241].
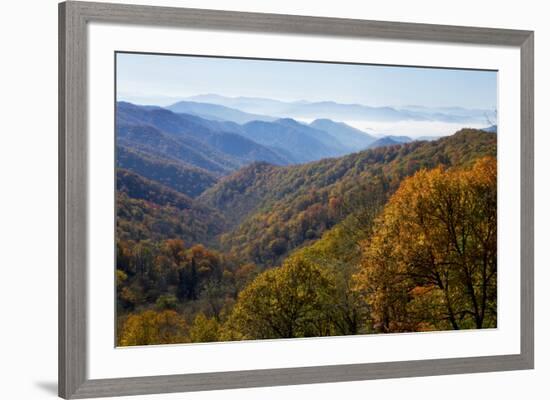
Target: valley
[226,210]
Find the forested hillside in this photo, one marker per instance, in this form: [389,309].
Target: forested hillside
[224,235]
[147,210]
[276,209]
[174,174]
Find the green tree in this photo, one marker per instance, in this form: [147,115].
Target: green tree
[167,302]
[293,300]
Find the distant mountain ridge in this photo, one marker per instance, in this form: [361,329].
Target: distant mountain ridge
[303,142]
[383,142]
[352,138]
[211,145]
[339,111]
[399,139]
[216,112]
[223,146]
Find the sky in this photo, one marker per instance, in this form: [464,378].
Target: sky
[162,80]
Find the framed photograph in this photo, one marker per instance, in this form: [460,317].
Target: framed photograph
[253,200]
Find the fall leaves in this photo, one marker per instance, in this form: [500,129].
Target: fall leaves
[432,261]
[424,259]
[150,327]
[291,301]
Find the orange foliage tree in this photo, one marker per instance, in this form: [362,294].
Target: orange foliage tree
[431,262]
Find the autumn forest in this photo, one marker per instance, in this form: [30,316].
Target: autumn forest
[233,225]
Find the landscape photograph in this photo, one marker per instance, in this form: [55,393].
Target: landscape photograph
[269,199]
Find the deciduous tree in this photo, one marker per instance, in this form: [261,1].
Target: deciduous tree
[293,300]
[432,261]
[152,327]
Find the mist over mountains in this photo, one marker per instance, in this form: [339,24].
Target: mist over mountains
[209,136]
[344,112]
[220,145]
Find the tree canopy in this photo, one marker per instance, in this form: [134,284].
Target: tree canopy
[432,260]
[293,300]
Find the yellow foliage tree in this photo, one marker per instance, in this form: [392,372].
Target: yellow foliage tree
[204,329]
[153,327]
[293,300]
[432,260]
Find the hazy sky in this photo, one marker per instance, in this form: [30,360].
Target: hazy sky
[158,79]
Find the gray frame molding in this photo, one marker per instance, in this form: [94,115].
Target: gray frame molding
[73,20]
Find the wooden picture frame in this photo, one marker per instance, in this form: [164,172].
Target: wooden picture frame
[73,20]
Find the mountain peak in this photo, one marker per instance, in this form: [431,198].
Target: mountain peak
[383,142]
[323,121]
[289,122]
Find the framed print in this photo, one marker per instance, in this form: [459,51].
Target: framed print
[256,199]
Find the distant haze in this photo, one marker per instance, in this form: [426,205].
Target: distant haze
[413,121]
[414,129]
[379,100]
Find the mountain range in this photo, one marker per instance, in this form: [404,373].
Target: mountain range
[218,146]
[216,112]
[236,212]
[343,112]
[182,149]
[210,145]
